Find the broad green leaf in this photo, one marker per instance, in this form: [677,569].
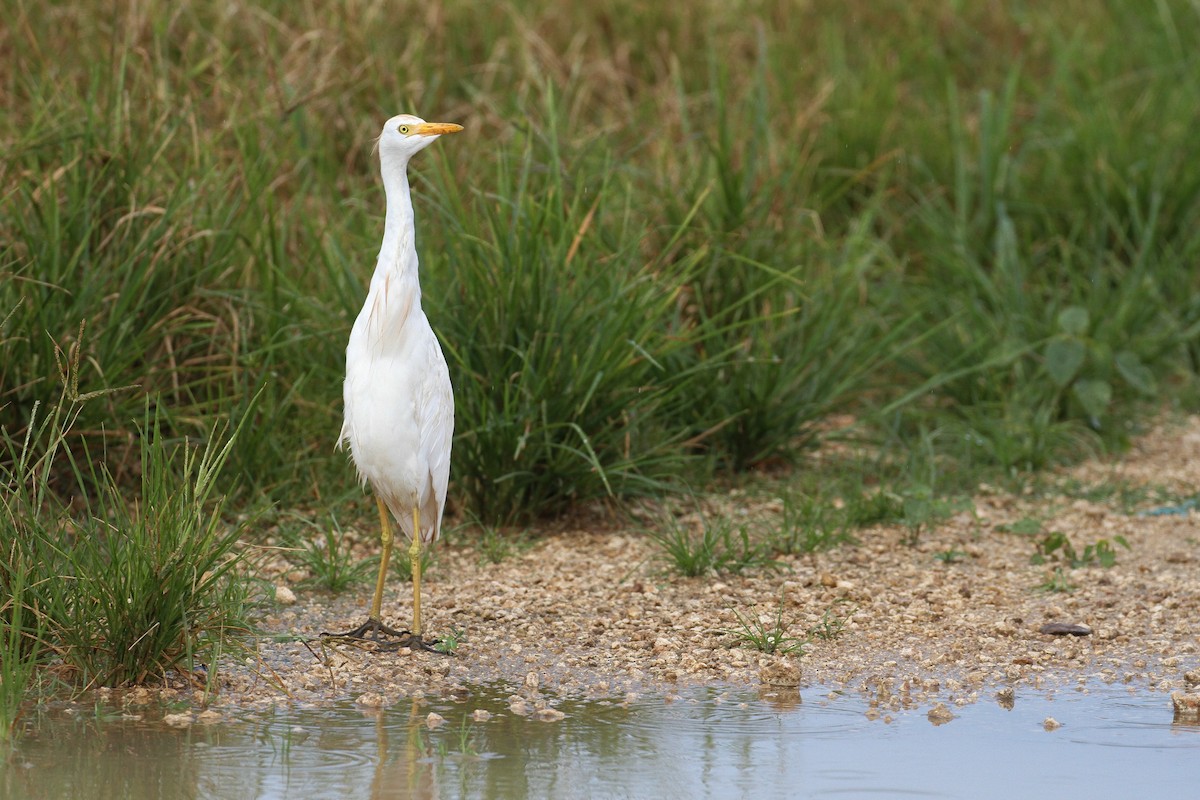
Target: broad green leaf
[1135,373]
[1073,320]
[1064,357]
[1093,395]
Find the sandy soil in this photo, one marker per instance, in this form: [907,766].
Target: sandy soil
[595,612]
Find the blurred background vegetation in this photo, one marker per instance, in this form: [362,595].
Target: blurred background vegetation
[675,242]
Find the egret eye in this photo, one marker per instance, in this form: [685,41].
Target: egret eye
[403,129]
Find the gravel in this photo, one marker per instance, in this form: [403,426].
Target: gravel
[590,609]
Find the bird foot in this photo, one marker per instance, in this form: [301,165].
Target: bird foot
[388,638]
[372,629]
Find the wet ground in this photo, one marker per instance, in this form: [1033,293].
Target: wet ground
[1102,741]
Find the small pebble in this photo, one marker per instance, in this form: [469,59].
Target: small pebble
[1186,704]
[939,714]
[178,720]
[284,596]
[371,700]
[434,720]
[1051,724]
[1065,629]
[481,715]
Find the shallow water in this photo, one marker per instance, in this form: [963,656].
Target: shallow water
[707,743]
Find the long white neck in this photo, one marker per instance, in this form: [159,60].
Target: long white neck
[398,254]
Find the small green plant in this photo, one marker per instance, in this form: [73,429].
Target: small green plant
[1056,546]
[924,511]
[809,524]
[772,636]
[715,548]
[1056,581]
[495,546]
[1025,526]
[466,739]
[873,508]
[951,556]
[767,637]
[450,642]
[328,560]
[1076,361]
[832,624]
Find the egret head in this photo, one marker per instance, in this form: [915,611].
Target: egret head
[405,135]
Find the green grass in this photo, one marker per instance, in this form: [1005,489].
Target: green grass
[809,524]
[494,544]
[669,252]
[321,549]
[1055,546]
[401,566]
[767,637]
[711,547]
[21,644]
[118,587]
[772,636]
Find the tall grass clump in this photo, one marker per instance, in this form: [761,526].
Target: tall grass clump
[557,331]
[1050,320]
[663,244]
[126,205]
[789,322]
[124,587]
[771,365]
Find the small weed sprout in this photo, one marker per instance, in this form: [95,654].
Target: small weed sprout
[773,637]
[1056,581]
[450,642]
[831,625]
[923,511]
[1025,526]
[880,507]
[326,557]
[495,546]
[767,638]
[1056,546]
[466,739]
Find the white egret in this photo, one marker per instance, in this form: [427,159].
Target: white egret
[399,405]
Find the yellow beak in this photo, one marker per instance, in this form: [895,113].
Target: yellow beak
[436,128]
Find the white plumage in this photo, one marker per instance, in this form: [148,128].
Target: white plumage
[399,404]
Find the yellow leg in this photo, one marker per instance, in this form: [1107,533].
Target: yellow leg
[386,537]
[414,555]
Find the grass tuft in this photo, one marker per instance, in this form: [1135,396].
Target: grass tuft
[324,554]
[125,588]
[714,548]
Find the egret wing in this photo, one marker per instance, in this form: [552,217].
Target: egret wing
[437,433]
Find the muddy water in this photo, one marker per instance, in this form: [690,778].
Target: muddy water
[707,743]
